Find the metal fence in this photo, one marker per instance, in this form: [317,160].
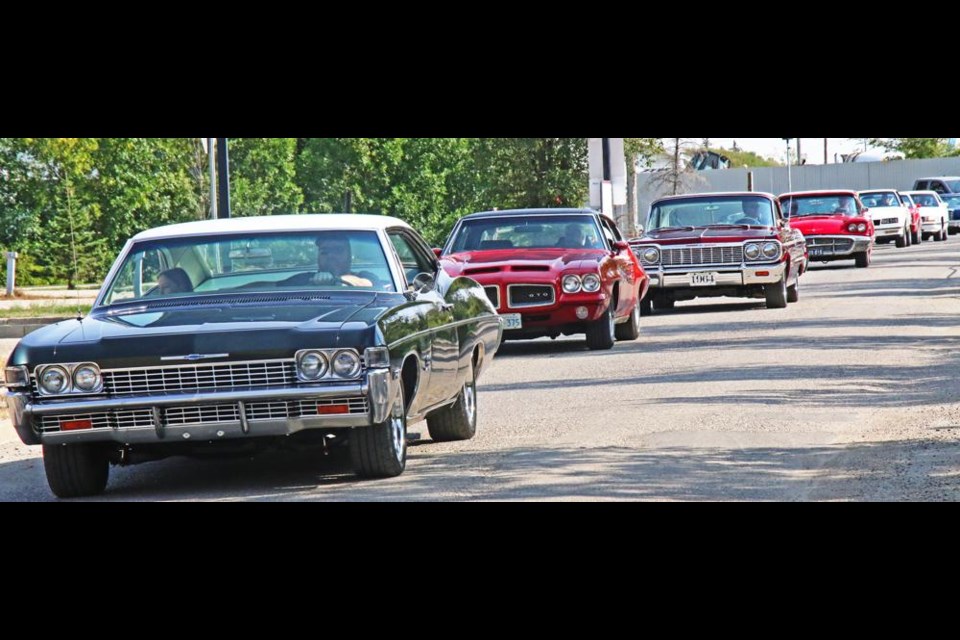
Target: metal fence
[895,174]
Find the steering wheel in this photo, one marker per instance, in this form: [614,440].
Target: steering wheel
[422,281]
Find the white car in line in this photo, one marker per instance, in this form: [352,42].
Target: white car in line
[934,214]
[891,218]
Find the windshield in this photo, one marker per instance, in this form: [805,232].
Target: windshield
[952,201]
[926,199]
[818,205]
[250,263]
[711,212]
[528,232]
[879,199]
[953,185]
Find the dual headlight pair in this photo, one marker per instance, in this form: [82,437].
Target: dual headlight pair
[853,227]
[589,283]
[758,251]
[60,379]
[316,364]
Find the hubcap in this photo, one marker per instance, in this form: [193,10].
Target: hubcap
[611,327]
[470,401]
[396,431]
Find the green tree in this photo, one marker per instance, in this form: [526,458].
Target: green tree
[531,172]
[915,147]
[263,175]
[740,158]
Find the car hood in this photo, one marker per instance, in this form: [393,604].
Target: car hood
[823,225]
[475,263]
[141,336]
[707,235]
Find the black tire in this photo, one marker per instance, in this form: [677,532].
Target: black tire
[646,307]
[863,260]
[902,239]
[776,294]
[75,470]
[793,291]
[916,236]
[942,235]
[600,332]
[457,421]
[380,451]
[952,231]
[630,330]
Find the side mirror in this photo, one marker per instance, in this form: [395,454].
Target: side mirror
[437,252]
[620,245]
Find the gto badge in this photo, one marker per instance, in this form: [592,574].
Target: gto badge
[193,357]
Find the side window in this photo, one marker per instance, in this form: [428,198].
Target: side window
[613,229]
[939,187]
[608,233]
[412,256]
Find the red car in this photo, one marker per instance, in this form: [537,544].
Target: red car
[835,224]
[720,244]
[551,272]
[916,226]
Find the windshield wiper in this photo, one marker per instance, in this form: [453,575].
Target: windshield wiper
[674,229]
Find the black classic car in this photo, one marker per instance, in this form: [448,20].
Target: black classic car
[234,335]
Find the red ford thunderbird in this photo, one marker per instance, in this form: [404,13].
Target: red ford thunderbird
[834,223]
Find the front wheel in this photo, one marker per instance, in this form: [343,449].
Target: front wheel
[630,330]
[457,421]
[380,451]
[793,291]
[902,238]
[646,306]
[863,260]
[600,332]
[776,294]
[75,470]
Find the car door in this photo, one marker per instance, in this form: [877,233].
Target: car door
[440,353]
[625,269]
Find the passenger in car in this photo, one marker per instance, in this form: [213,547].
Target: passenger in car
[174,280]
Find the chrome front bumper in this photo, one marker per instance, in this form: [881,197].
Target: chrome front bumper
[380,390]
[726,277]
[859,245]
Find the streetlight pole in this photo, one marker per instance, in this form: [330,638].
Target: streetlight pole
[789,179]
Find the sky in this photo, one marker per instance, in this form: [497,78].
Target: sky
[811,148]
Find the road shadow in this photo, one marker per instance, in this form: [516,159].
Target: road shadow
[850,472]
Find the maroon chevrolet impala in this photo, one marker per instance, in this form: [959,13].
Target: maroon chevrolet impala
[720,244]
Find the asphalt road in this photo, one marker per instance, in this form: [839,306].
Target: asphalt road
[850,394]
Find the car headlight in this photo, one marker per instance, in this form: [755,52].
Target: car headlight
[651,255]
[346,364]
[771,250]
[54,380]
[861,227]
[591,283]
[751,251]
[312,365]
[87,378]
[852,227]
[571,284]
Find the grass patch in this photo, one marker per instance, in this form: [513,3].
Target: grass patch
[46,311]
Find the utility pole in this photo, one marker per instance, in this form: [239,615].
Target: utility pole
[223,167]
[825,151]
[211,162]
[789,180]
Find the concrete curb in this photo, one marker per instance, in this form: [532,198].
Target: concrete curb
[19,327]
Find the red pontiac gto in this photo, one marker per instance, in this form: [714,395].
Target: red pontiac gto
[835,224]
[720,244]
[551,272]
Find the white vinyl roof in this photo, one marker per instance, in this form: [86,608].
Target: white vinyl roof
[303,222]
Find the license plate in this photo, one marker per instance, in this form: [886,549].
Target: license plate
[817,252]
[512,321]
[703,279]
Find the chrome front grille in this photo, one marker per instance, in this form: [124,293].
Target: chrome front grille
[695,256]
[834,244]
[208,414]
[205,376]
